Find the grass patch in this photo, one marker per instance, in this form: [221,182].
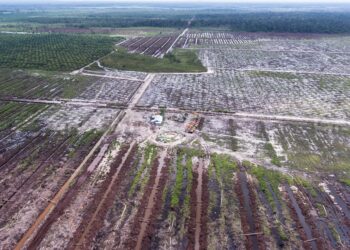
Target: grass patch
[272,154]
[321,211]
[175,197]
[335,233]
[305,161]
[41,84]
[345,181]
[265,176]
[73,86]
[224,166]
[88,138]
[93,66]
[281,75]
[181,170]
[150,154]
[189,183]
[178,61]
[307,185]
[13,114]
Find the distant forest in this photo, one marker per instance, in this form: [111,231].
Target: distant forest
[251,21]
[304,22]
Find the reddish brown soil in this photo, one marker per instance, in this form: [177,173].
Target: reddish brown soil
[204,218]
[299,226]
[191,227]
[305,208]
[244,220]
[151,226]
[81,235]
[258,228]
[64,203]
[136,227]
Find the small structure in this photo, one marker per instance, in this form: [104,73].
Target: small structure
[193,124]
[179,117]
[156,119]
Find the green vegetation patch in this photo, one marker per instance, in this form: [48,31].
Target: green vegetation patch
[88,138]
[280,75]
[14,114]
[150,154]
[268,177]
[60,52]
[184,173]
[345,181]
[42,84]
[175,198]
[178,61]
[224,166]
[272,154]
[93,66]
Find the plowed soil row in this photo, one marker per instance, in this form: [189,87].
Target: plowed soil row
[258,223]
[191,227]
[305,208]
[299,224]
[336,217]
[94,217]
[149,236]
[149,225]
[195,206]
[251,225]
[204,217]
[63,204]
[271,218]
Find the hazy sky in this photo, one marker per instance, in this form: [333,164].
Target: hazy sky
[179,1]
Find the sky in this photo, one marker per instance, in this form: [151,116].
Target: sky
[179,1]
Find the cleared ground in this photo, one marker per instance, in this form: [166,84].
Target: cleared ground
[260,92]
[244,159]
